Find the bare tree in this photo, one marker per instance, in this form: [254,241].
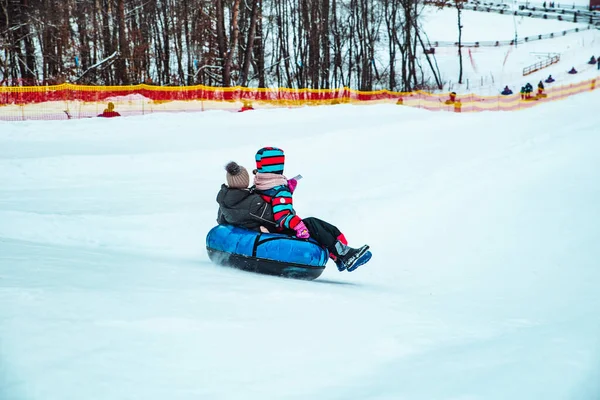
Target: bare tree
[121,73]
[459,7]
[250,42]
[286,43]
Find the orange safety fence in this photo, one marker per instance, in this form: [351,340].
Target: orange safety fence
[68,101]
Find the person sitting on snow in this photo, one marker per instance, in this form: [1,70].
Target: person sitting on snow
[451,98]
[110,112]
[549,79]
[277,190]
[592,60]
[246,106]
[573,71]
[506,91]
[240,206]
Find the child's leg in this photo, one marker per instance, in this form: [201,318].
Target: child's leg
[324,233]
[329,236]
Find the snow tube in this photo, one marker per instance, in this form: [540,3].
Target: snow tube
[266,253]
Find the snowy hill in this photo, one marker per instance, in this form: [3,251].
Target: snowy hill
[488,69]
[483,284]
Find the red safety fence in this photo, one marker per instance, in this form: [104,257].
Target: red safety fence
[68,101]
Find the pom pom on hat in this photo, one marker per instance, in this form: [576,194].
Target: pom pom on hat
[237,176]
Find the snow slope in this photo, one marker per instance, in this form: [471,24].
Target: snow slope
[483,284]
[478,26]
[488,69]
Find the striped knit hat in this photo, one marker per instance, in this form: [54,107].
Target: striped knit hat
[270,159]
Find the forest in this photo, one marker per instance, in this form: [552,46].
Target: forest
[317,44]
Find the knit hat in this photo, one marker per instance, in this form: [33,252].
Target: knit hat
[237,176]
[270,159]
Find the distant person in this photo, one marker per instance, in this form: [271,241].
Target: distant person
[540,89]
[549,79]
[592,60]
[573,71]
[451,98]
[110,112]
[522,92]
[247,106]
[457,106]
[544,4]
[598,64]
[528,90]
[506,91]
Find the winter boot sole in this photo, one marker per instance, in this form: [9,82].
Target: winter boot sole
[363,259]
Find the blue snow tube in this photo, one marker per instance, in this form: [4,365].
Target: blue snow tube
[266,253]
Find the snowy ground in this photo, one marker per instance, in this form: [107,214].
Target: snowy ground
[483,284]
[488,69]
[440,25]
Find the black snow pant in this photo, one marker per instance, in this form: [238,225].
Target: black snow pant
[324,233]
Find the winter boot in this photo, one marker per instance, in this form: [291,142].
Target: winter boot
[351,258]
[360,261]
[338,262]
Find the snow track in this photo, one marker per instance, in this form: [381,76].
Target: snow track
[483,283]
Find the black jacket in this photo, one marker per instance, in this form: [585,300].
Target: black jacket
[244,208]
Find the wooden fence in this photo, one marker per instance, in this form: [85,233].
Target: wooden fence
[541,65]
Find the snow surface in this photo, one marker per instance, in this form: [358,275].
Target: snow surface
[481,26]
[488,69]
[484,229]
[483,283]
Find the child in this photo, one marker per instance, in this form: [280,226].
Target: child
[110,112]
[240,206]
[277,190]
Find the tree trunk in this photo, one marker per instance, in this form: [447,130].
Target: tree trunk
[460,60]
[232,46]
[121,64]
[259,50]
[166,44]
[325,43]
[249,44]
